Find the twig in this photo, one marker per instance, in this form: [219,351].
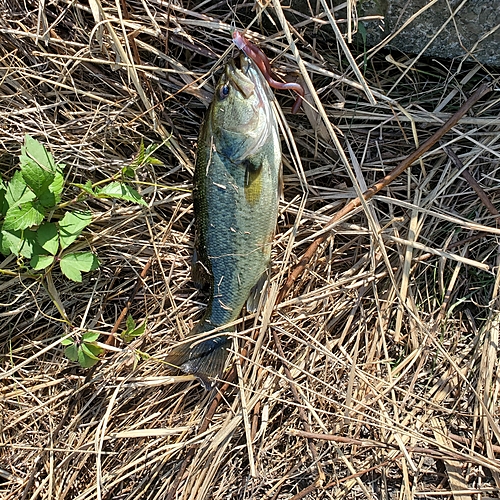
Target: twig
[378,186]
[438,454]
[466,441]
[358,474]
[472,182]
[337,439]
[305,491]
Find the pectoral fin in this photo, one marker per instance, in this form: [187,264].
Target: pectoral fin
[253,180]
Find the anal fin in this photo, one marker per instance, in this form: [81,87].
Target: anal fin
[256,292]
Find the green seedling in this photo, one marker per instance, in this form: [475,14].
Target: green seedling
[132,331]
[144,157]
[85,350]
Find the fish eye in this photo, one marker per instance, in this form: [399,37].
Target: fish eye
[223,91]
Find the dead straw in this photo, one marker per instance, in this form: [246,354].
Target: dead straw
[387,345]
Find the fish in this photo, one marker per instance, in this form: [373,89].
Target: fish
[236,192]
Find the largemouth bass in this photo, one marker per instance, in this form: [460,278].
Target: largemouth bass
[235,194]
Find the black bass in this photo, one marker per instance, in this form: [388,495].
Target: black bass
[236,194]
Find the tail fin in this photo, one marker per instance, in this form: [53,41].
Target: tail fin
[205,359]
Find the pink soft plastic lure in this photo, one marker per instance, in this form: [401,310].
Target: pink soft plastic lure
[261,60]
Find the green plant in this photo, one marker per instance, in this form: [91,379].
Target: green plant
[144,157]
[85,349]
[41,230]
[35,225]
[131,331]
[363,33]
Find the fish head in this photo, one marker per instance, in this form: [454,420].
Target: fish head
[241,114]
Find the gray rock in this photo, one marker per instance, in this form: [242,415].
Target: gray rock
[475,29]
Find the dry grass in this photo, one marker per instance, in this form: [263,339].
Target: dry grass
[387,344]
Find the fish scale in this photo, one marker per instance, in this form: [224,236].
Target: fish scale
[236,194]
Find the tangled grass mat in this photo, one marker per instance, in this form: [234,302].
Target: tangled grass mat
[374,376]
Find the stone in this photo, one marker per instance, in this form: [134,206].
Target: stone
[474,29]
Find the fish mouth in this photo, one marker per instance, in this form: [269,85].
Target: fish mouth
[243,74]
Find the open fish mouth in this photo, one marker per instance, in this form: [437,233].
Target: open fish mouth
[237,73]
[247,78]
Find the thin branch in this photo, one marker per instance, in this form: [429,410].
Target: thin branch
[465,172]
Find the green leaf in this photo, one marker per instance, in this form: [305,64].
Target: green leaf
[128,172]
[71,352]
[85,361]
[36,177]
[71,225]
[130,324]
[139,330]
[17,191]
[362,31]
[30,244]
[90,336]
[143,355]
[88,350]
[71,271]
[4,248]
[140,155]
[41,173]
[122,192]
[48,237]
[151,160]
[143,157]
[52,195]
[41,261]
[35,150]
[87,187]
[10,243]
[135,333]
[23,216]
[88,355]
[94,349]
[73,264]
[20,243]
[131,331]
[154,161]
